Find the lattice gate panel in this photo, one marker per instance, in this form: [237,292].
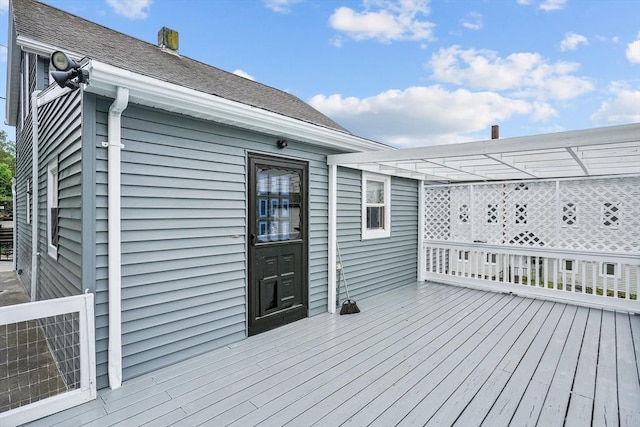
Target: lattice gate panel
[437,213]
[600,214]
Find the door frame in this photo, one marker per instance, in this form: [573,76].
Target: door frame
[253,158]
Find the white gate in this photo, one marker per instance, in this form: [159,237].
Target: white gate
[50,357]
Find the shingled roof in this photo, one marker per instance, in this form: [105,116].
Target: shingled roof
[51,26]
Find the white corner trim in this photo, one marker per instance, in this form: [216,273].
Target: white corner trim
[144,90]
[332,238]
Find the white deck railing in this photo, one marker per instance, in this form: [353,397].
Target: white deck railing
[588,278]
[50,348]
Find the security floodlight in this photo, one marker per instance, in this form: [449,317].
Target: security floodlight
[62,62]
[65,78]
[69,73]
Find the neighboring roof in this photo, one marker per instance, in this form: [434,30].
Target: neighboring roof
[606,151]
[50,26]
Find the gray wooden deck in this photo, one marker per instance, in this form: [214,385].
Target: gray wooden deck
[426,354]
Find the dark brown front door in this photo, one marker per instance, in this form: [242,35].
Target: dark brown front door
[278,288]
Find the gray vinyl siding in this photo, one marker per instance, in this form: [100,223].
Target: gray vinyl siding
[24,163]
[377,265]
[24,156]
[60,140]
[184,235]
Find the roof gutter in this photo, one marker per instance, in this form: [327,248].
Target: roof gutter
[156,93]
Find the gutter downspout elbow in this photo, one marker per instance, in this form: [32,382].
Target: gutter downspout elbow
[114,146]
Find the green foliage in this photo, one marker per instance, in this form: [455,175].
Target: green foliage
[7,171]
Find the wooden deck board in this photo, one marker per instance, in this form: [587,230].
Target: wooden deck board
[628,378]
[605,405]
[555,404]
[423,354]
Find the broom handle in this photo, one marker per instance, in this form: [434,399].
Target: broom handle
[344,278]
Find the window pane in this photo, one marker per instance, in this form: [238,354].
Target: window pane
[375,192]
[375,218]
[278,198]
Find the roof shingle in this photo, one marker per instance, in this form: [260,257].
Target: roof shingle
[65,31]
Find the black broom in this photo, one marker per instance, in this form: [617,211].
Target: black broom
[349,306]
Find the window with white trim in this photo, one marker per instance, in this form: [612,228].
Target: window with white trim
[609,269]
[567,265]
[376,206]
[52,209]
[491,259]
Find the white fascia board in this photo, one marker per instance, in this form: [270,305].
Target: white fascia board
[579,138]
[144,90]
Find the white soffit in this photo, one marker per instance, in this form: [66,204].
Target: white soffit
[613,150]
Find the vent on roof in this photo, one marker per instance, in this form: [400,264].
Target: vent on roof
[168,39]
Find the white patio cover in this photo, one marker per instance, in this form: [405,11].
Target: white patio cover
[606,151]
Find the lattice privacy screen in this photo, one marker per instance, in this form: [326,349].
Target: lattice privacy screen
[582,214]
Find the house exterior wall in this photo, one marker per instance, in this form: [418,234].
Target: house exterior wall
[184,208]
[60,132]
[59,124]
[376,265]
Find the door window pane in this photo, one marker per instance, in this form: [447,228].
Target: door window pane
[278,198]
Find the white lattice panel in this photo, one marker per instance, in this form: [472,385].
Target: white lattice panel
[530,214]
[600,215]
[583,214]
[488,213]
[461,213]
[437,213]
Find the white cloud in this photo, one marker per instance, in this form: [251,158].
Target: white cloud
[281,6]
[472,21]
[3,54]
[546,5]
[571,41]
[132,9]
[633,51]
[527,75]
[420,115]
[385,21]
[244,74]
[622,107]
[4,6]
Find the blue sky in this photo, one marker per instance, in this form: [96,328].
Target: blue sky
[410,72]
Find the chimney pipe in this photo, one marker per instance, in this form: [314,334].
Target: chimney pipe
[495,132]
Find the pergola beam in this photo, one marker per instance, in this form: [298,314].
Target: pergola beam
[578,160]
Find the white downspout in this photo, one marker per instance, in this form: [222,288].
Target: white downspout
[331,262]
[114,146]
[34,194]
[15,221]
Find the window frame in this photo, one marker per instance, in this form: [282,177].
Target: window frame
[385,232]
[52,203]
[563,266]
[603,272]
